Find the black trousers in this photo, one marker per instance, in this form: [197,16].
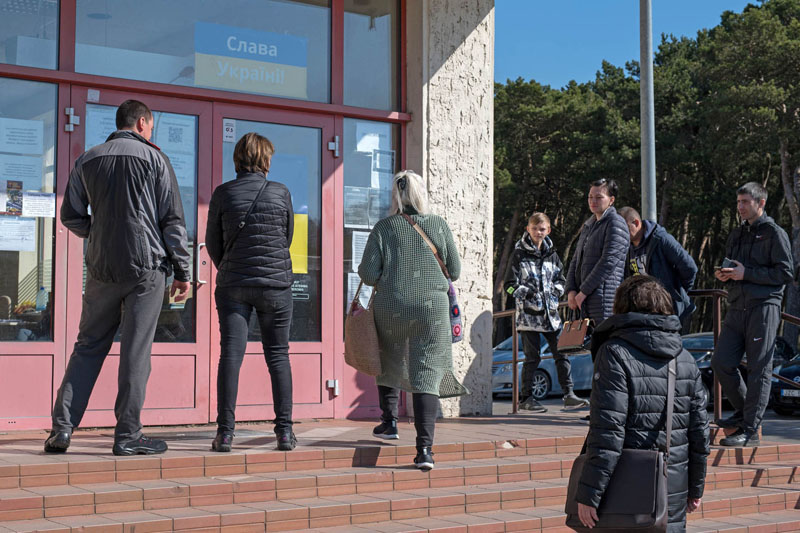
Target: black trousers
[426,408]
[274,310]
[750,331]
[531,345]
[101,315]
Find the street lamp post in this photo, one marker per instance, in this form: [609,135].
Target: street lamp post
[647,113]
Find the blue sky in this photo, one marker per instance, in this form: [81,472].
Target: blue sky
[555,41]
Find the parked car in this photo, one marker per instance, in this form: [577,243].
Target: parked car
[545,379]
[785,398]
[701,346]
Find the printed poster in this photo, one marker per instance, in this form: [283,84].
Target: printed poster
[356,207]
[359,243]
[22,168]
[352,286]
[22,136]
[38,204]
[17,234]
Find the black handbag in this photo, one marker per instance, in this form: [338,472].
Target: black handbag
[636,496]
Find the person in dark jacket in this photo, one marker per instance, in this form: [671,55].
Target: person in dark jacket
[250,228]
[632,351]
[598,264]
[761,254]
[123,197]
[655,252]
[536,281]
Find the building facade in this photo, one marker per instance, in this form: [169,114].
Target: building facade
[349,91]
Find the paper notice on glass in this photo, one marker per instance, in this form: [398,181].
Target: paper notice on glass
[373,136]
[356,207]
[3,199]
[382,169]
[352,286]
[359,243]
[38,204]
[228,130]
[379,205]
[101,121]
[21,136]
[22,168]
[17,234]
[185,167]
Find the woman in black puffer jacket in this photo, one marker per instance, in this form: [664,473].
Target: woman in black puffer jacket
[632,351]
[251,253]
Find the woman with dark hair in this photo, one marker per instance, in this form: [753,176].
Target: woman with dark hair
[250,227]
[632,351]
[598,264]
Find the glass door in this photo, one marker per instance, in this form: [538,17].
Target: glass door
[304,164]
[177,391]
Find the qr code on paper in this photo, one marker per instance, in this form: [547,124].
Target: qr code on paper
[175,135]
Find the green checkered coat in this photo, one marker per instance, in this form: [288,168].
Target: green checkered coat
[410,306]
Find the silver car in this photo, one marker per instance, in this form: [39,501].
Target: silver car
[545,379]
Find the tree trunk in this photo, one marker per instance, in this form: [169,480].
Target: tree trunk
[790,193]
[502,264]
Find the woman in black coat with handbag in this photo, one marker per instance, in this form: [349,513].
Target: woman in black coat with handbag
[632,350]
[250,227]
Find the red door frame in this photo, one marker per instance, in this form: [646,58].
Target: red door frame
[198,412]
[328,288]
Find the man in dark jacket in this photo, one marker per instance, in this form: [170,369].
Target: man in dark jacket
[655,252]
[632,351]
[598,264]
[761,255]
[123,197]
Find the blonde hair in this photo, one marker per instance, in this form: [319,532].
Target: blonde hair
[538,218]
[253,153]
[408,190]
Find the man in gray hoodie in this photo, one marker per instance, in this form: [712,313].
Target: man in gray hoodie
[758,267]
[123,197]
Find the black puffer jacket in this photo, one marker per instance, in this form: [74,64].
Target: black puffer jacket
[259,257]
[632,352]
[598,264]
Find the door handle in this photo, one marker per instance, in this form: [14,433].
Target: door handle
[200,246]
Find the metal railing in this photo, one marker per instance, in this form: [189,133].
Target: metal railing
[716,294]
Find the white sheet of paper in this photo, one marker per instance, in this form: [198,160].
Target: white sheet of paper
[373,136]
[228,130]
[3,198]
[359,243]
[17,234]
[21,136]
[101,121]
[352,286]
[22,168]
[38,204]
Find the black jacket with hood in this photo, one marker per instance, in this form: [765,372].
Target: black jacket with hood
[766,253]
[669,263]
[135,223]
[259,257]
[628,406]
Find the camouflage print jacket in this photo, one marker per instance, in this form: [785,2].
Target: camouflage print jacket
[536,281]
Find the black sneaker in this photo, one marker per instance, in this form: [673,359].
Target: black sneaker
[386,430]
[741,438]
[141,446]
[732,422]
[57,442]
[287,441]
[530,404]
[424,458]
[222,442]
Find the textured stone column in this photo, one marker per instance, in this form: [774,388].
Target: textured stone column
[450,73]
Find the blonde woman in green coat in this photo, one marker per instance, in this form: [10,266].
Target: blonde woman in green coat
[412,311]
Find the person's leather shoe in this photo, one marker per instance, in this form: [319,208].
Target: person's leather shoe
[57,442]
[287,441]
[141,446]
[222,442]
[733,421]
[741,438]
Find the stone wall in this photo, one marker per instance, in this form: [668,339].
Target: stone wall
[450,140]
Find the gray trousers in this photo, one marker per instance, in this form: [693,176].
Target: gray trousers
[750,331]
[102,314]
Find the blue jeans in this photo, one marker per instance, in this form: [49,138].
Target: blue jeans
[274,310]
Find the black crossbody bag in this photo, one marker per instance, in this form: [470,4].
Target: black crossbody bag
[241,225]
[636,496]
